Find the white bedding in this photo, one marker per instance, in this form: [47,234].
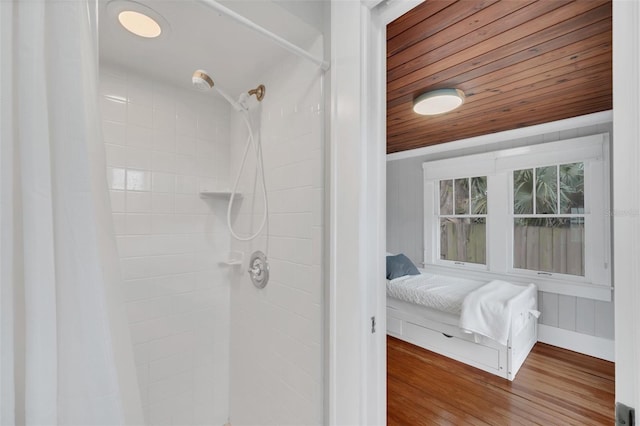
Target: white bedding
[439,292]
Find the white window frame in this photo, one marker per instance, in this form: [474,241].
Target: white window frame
[457,263]
[498,166]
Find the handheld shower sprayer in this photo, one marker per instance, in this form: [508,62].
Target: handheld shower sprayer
[202,81]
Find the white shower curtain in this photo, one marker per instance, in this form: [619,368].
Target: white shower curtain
[66,356]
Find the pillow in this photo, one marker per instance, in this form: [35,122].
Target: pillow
[399,266]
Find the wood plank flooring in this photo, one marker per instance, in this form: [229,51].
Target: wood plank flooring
[553,387]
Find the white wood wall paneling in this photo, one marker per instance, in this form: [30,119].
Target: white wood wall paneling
[567,312]
[586,316]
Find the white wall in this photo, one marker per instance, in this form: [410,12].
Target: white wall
[276,332]
[309,11]
[163,145]
[405,233]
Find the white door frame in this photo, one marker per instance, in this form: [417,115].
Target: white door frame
[356,379]
[356,388]
[626,199]
[347,334]
[353,243]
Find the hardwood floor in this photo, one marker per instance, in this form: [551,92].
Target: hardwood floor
[553,387]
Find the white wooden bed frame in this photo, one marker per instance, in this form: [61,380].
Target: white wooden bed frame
[438,332]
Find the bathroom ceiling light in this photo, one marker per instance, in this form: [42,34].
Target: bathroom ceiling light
[138,19]
[438,101]
[139,24]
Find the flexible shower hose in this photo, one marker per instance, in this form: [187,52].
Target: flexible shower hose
[259,163]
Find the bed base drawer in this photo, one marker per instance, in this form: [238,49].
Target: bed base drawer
[475,354]
[432,332]
[394,326]
[446,340]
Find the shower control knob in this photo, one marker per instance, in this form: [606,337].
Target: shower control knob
[259,269]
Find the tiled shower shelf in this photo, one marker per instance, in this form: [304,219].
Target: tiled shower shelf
[234,258]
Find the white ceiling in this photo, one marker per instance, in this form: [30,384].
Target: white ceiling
[200,38]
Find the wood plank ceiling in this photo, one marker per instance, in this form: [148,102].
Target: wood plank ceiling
[519,62]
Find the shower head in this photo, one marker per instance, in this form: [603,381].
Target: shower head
[201,80]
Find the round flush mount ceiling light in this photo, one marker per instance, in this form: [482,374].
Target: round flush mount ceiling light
[138,18]
[139,24]
[438,101]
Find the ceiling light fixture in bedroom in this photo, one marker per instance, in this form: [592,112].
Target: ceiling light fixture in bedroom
[438,101]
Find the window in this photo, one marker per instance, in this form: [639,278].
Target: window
[548,219]
[535,213]
[463,219]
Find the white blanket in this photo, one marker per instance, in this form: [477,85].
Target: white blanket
[487,310]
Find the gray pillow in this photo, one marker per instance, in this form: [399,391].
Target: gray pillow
[399,266]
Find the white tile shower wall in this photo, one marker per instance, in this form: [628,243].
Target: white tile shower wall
[163,146]
[276,332]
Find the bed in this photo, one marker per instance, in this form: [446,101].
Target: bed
[488,325]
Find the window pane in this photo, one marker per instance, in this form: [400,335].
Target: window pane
[549,245]
[523,191]
[463,239]
[572,188]
[462,196]
[547,190]
[479,195]
[446,197]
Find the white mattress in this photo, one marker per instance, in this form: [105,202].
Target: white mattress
[439,292]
